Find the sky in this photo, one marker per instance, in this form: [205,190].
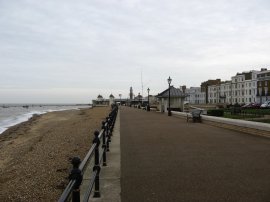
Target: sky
[66,51]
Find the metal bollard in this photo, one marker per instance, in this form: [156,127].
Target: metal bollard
[76,175]
[96,166]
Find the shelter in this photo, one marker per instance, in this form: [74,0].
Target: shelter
[177,98]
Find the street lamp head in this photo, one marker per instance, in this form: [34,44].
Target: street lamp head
[169,80]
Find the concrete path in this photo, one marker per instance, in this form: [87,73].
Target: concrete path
[109,175]
[167,159]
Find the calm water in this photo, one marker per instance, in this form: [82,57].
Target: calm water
[11,115]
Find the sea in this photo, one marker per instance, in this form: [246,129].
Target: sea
[12,114]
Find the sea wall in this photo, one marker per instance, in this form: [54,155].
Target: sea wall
[250,127]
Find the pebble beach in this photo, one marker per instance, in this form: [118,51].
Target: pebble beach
[35,155]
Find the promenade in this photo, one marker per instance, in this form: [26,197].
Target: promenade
[167,159]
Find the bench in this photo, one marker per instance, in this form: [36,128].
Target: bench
[195,115]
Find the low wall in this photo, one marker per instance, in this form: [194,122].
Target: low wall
[250,127]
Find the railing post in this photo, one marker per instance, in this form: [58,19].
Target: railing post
[108,134]
[96,166]
[76,175]
[104,146]
[111,124]
[112,121]
[73,188]
[113,118]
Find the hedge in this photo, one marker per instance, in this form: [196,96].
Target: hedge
[215,112]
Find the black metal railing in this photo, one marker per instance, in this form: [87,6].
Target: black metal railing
[104,136]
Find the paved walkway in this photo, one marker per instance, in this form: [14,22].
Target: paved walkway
[110,189]
[167,159]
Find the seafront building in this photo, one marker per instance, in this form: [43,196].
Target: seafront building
[225,94]
[195,95]
[240,89]
[101,102]
[263,84]
[205,88]
[243,88]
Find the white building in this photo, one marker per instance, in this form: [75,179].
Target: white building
[244,87]
[220,93]
[263,85]
[225,95]
[195,96]
[101,102]
[213,94]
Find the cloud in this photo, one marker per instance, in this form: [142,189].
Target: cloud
[103,45]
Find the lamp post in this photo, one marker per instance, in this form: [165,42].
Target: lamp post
[120,95]
[139,96]
[266,93]
[169,109]
[260,93]
[148,106]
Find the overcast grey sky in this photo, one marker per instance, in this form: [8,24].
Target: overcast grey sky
[71,51]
